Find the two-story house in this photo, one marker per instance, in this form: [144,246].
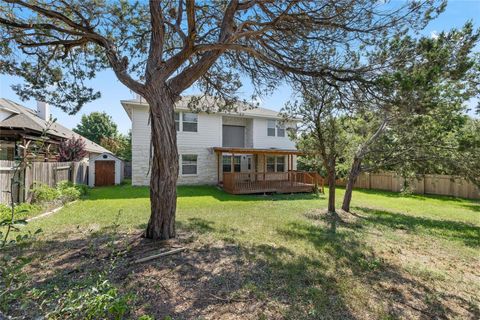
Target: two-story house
[247,151]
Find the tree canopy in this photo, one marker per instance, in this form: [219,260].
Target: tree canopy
[160,48]
[97,126]
[407,120]
[64,43]
[72,149]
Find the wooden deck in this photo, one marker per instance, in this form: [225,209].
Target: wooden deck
[271,182]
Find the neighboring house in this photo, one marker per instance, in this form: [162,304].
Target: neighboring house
[21,126]
[247,151]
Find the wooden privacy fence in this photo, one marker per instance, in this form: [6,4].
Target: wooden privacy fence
[49,173]
[423,184]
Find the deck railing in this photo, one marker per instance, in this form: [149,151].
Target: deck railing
[258,182]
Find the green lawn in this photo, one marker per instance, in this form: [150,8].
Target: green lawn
[270,257]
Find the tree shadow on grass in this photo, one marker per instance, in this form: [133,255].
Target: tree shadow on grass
[402,295]
[415,196]
[467,233]
[220,195]
[133,192]
[118,192]
[198,225]
[474,207]
[222,280]
[217,280]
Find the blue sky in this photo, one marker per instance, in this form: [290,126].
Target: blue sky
[457,12]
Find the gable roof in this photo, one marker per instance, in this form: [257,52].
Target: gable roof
[26,118]
[243,109]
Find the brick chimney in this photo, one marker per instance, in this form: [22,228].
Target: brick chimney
[43,110]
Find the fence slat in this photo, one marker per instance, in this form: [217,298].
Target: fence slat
[427,184]
[49,173]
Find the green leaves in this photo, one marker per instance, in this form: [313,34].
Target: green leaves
[97,125]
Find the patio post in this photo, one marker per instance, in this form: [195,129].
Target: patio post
[264,165]
[218,167]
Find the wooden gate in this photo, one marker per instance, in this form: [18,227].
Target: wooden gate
[104,173]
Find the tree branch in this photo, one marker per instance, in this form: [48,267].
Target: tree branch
[156,40]
[119,66]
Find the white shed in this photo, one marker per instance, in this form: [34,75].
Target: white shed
[105,170]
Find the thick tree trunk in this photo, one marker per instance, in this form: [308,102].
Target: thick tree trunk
[164,166]
[352,178]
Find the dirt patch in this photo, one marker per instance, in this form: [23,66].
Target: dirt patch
[220,280]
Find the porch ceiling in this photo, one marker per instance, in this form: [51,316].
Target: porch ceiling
[256,151]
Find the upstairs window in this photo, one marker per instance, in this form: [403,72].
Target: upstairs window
[186,121]
[271,128]
[275,128]
[189,122]
[189,164]
[280,129]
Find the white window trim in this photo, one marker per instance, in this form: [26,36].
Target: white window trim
[277,123]
[275,163]
[180,122]
[234,157]
[181,165]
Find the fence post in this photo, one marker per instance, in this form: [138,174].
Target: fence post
[424,184]
[71,173]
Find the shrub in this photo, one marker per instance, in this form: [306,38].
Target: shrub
[64,192]
[43,193]
[83,188]
[62,185]
[68,194]
[22,211]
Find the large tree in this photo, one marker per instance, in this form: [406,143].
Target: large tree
[407,122]
[321,135]
[401,119]
[97,126]
[160,48]
[121,145]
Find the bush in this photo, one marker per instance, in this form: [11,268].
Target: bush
[64,192]
[69,194]
[62,185]
[44,193]
[22,211]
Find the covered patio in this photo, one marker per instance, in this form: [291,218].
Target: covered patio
[250,170]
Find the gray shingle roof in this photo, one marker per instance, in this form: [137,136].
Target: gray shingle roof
[25,118]
[243,109]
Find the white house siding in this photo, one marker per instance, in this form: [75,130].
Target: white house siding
[200,143]
[208,135]
[262,141]
[249,133]
[140,146]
